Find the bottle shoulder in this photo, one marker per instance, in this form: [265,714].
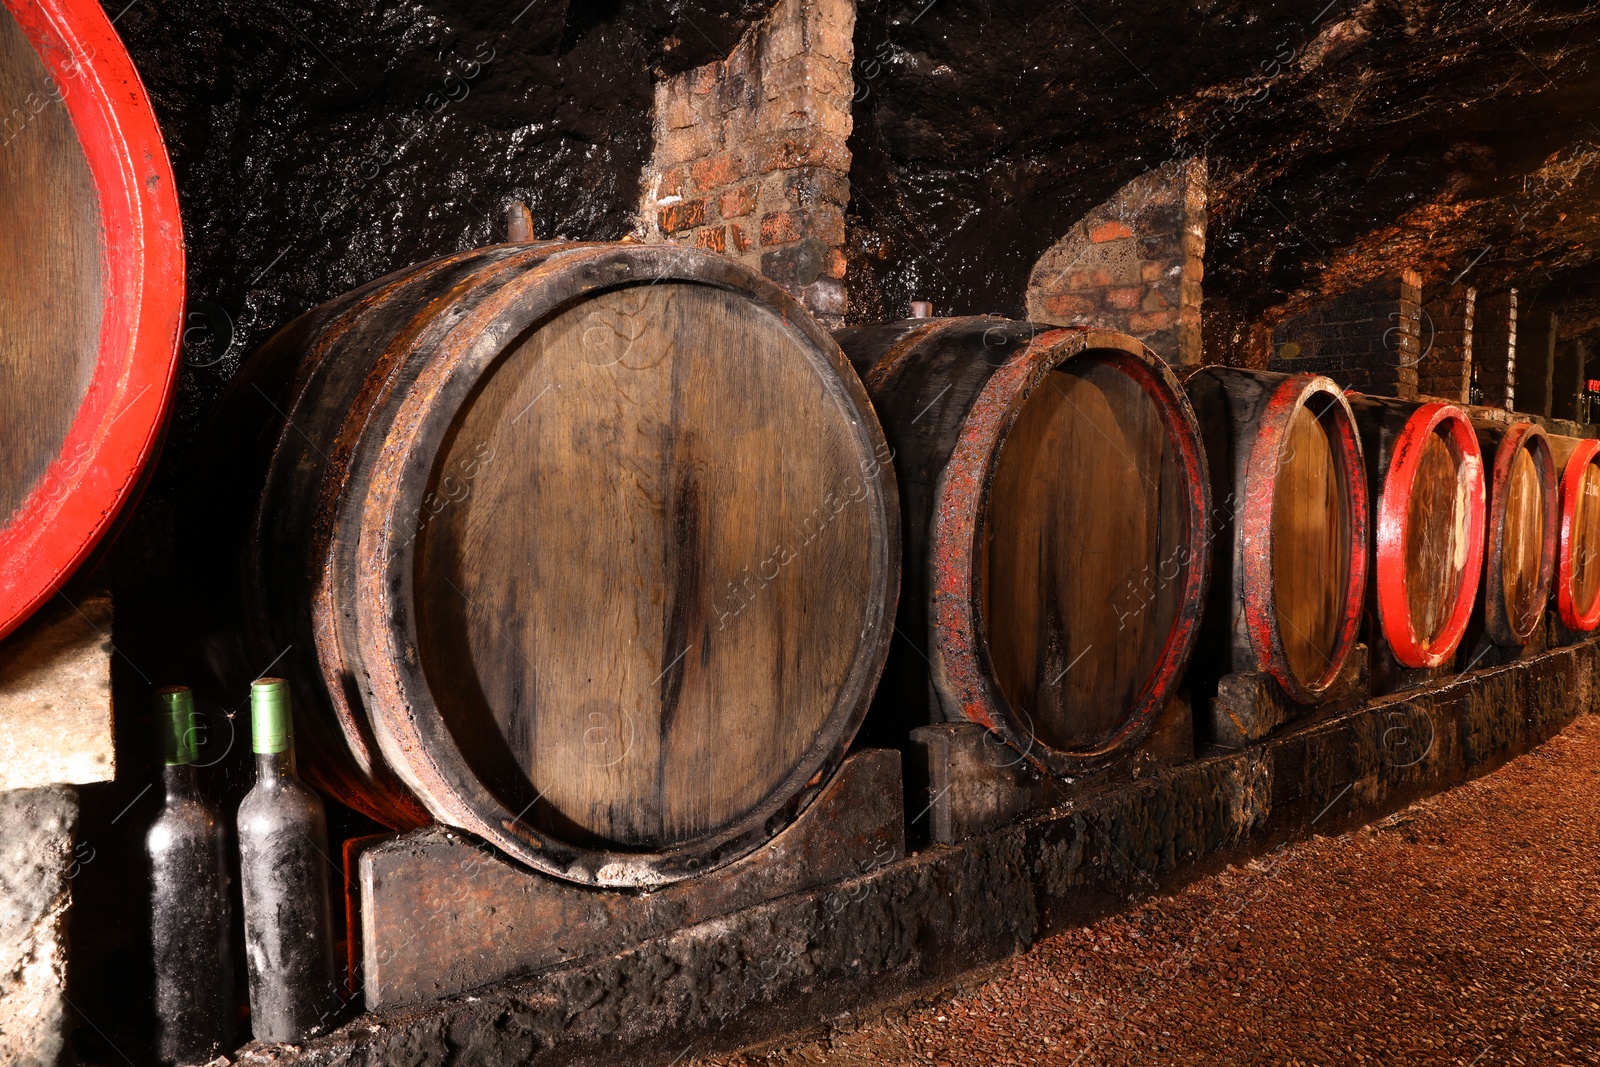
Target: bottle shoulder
[282,803]
[184,817]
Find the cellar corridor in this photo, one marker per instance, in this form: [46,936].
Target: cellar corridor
[1464,929]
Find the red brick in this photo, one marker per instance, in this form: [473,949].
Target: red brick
[1151,321]
[798,150]
[1154,300]
[736,203]
[781,227]
[1085,279]
[708,174]
[671,183]
[1124,297]
[736,234]
[1070,304]
[836,264]
[1109,231]
[1151,272]
[713,238]
[682,215]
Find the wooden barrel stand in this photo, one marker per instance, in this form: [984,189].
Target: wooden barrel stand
[1429,536]
[1519,562]
[1054,496]
[1577,579]
[590,550]
[1289,524]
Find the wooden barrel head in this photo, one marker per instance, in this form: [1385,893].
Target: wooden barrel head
[1311,542]
[1578,587]
[1522,555]
[644,586]
[1430,536]
[91,291]
[1524,514]
[1087,552]
[1090,562]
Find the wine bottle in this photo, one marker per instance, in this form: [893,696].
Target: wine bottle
[284,866]
[189,922]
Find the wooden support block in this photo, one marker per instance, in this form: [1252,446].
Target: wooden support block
[1250,704]
[55,696]
[440,915]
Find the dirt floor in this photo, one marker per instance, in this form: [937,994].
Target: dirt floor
[1463,930]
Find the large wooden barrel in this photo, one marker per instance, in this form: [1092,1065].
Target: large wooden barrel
[1578,557]
[1289,516]
[1054,496]
[1428,556]
[588,549]
[1524,513]
[91,292]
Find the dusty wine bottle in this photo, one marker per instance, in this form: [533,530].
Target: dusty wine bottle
[284,867]
[189,922]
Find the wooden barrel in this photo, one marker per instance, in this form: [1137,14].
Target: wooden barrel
[1428,556]
[91,292]
[1054,496]
[589,549]
[1578,557]
[1524,513]
[1289,515]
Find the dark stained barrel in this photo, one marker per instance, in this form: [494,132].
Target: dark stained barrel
[1054,496]
[588,549]
[1425,461]
[1289,521]
[1524,515]
[1578,557]
[91,292]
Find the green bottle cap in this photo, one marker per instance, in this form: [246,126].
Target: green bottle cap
[271,726]
[175,720]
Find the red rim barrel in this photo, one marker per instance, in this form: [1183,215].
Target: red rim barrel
[993,423]
[65,54]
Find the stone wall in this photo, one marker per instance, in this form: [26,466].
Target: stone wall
[37,860]
[1367,339]
[750,157]
[1133,264]
[1495,349]
[1444,368]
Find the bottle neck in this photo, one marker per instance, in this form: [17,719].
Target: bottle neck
[180,781]
[276,766]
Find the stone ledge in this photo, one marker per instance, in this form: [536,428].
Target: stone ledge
[913,927]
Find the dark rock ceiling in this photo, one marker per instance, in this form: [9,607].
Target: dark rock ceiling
[1458,138]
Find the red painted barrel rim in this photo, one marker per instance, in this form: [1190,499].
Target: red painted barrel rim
[1571,484]
[1261,617]
[1394,606]
[1520,436]
[960,658]
[118,426]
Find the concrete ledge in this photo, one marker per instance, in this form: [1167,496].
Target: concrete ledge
[915,925]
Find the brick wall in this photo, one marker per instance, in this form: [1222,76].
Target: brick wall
[1133,264]
[1444,368]
[1495,349]
[750,157]
[1367,339]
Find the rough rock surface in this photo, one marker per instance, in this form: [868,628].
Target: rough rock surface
[36,866]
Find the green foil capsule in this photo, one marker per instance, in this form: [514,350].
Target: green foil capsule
[175,716]
[271,723]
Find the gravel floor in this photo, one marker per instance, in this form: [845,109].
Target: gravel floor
[1463,930]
